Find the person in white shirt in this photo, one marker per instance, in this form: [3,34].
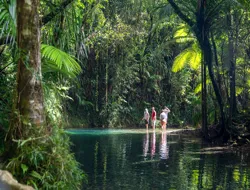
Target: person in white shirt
[164,117]
[146,117]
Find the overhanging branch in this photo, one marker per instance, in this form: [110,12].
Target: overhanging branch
[180,14]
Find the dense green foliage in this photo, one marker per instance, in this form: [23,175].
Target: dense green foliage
[104,61]
[130,50]
[46,162]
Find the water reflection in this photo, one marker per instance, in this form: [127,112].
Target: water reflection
[115,161]
[163,146]
[146,144]
[153,140]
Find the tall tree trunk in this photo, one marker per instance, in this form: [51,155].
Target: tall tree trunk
[232,101]
[208,59]
[216,60]
[30,102]
[217,70]
[204,96]
[202,35]
[200,19]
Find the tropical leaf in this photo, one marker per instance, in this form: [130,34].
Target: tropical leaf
[181,60]
[8,19]
[24,168]
[55,60]
[182,34]
[191,56]
[198,87]
[239,90]
[195,59]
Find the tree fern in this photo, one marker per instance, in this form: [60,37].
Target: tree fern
[191,55]
[55,60]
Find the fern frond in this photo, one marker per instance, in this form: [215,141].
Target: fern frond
[181,31]
[181,60]
[58,61]
[195,60]
[182,35]
[191,56]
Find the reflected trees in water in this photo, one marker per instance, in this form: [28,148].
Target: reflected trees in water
[159,160]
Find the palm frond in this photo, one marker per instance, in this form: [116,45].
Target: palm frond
[7,18]
[55,60]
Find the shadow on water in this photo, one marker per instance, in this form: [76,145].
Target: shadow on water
[141,159]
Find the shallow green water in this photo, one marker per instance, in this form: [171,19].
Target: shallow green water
[136,159]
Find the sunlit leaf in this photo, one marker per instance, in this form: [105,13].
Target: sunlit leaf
[183,35]
[59,61]
[195,59]
[181,60]
[199,86]
[24,168]
[239,90]
[191,56]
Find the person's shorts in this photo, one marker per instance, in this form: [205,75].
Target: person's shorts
[163,121]
[146,121]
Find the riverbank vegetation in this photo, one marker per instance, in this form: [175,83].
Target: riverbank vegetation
[100,63]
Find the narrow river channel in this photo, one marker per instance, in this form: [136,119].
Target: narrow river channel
[140,159]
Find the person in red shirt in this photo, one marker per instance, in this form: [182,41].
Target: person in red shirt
[153,117]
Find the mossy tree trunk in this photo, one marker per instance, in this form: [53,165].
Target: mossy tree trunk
[30,102]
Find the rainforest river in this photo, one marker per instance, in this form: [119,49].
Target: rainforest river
[141,159]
